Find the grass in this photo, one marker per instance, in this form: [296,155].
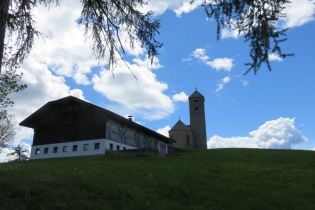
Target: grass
[195,179]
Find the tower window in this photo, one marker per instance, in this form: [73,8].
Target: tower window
[196,108]
[196,100]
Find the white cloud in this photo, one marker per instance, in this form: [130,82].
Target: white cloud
[200,54]
[145,93]
[229,33]
[186,59]
[180,97]
[221,63]
[274,57]
[298,13]
[164,131]
[218,63]
[178,6]
[65,50]
[43,87]
[187,7]
[274,134]
[224,81]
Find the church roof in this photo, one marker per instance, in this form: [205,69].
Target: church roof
[195,94]
[179,126]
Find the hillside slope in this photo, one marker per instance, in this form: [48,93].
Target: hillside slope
[195,179]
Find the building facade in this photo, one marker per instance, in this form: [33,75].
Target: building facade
[72,127]
[193,135]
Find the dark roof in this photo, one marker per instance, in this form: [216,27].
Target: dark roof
[33,120]
[179,126]
[196,94]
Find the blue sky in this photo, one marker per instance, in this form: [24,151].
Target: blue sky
[268,110]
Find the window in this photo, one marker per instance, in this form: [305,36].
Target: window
[86,147]
[74,148]
[96,145]
[196,108]
[36,151]
[111,146]
[117,147]
[162,148]
[124,148]
[45,150]
[196,100]
[65,148]
[187,139]
[55,149]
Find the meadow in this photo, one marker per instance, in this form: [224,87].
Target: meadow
[194,179]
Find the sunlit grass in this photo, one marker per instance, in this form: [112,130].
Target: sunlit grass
[195,179]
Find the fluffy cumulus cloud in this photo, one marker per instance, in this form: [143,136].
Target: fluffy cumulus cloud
[142,94]
[180,97]
[64,49]
[187,7]
[299,12]
[217,64]
[221,64]
[274,134]
[164,131]
[222,82]
[200,54]
[42,87]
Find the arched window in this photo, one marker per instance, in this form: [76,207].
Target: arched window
[187,139]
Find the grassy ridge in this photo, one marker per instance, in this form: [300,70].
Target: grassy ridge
[196,179]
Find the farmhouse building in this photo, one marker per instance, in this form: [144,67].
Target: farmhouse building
[73,127]
[193,135]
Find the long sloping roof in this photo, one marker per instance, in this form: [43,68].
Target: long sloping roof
[179,126]
[33,120]
[195,94]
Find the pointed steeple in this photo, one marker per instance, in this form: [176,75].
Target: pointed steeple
[196,94]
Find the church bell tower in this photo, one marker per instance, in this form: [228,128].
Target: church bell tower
[198,119]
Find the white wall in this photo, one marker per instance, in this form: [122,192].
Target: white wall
[37,151]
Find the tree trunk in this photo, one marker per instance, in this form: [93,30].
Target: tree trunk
[4,7]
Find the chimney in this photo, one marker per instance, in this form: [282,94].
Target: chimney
[130,117]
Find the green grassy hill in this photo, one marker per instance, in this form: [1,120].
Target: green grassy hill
[195,179]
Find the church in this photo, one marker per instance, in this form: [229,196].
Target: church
[193,135]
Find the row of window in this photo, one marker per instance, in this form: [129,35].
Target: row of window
[75,148]
[65,148]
